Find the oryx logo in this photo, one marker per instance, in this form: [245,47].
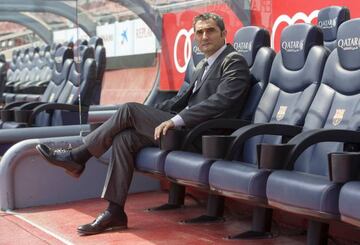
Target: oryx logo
[292,46]
[243,47]
[352,43]
[183,33]
[196,50]
[328,24]
[291,20]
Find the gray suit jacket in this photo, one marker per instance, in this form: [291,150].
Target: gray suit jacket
[221,93]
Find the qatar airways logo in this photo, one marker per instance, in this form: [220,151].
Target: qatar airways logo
[300,16]
[352,43]
[243,47]
[328,24]
[293,46]
[196,50]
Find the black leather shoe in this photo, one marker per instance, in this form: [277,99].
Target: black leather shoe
[104,222]
[61,158]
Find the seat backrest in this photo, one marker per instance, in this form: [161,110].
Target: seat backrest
[33,51]
[28,61]
[34,74]
[53,48]
[94,41]
[2,76]
[15,54]
[80,84]
[337,102]
[49,60]
[19,61]
[329,20]
[294,78]
[63,61]
[43,49]
[100,59]
[253,43]
[69,93]
[81,42]
[196,57]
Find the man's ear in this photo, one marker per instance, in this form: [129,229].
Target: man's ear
[224,33]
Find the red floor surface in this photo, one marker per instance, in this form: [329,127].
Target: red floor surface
[57,224]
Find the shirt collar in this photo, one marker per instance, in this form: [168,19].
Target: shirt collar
[213,57]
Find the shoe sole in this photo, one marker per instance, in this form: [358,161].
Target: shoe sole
[114,228]
[43,155]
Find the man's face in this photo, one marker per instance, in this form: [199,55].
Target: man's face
[209,36]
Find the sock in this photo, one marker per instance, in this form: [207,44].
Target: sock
[115,208]
[80,154]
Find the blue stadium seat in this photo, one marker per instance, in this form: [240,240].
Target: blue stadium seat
[348,202]
[329,20]
[60,74]
[100,58]
[305,187]
[74,98]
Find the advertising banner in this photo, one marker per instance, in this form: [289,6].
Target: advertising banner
[283,13]
[144,38]
[69,35]
[107,33]
[124,38]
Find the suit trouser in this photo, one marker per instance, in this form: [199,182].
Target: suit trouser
[127,131]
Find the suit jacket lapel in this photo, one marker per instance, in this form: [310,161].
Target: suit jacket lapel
[215,64]
[197,72]
[184,98]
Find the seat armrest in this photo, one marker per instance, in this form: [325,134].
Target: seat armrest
[30,105]
[202,128]
[343,166]
[104,107]
[50,107]
[7,115]
[22,116]
[246,132]
[173,140]
[216,146]
[306,139]
[14,104]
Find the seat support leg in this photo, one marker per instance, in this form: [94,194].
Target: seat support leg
[317,233]
[214,211]
[175,200]
[261,225]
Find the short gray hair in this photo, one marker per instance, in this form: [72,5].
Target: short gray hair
[207,16]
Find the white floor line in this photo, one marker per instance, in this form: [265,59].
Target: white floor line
[40,227]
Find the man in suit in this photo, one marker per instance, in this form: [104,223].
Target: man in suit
[218,88]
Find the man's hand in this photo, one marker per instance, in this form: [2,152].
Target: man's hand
[163,128]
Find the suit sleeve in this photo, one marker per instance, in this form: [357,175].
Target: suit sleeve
[231,91]
[167,104]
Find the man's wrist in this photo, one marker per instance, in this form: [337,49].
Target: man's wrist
[178,121]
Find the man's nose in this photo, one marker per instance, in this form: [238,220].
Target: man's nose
[204,35]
